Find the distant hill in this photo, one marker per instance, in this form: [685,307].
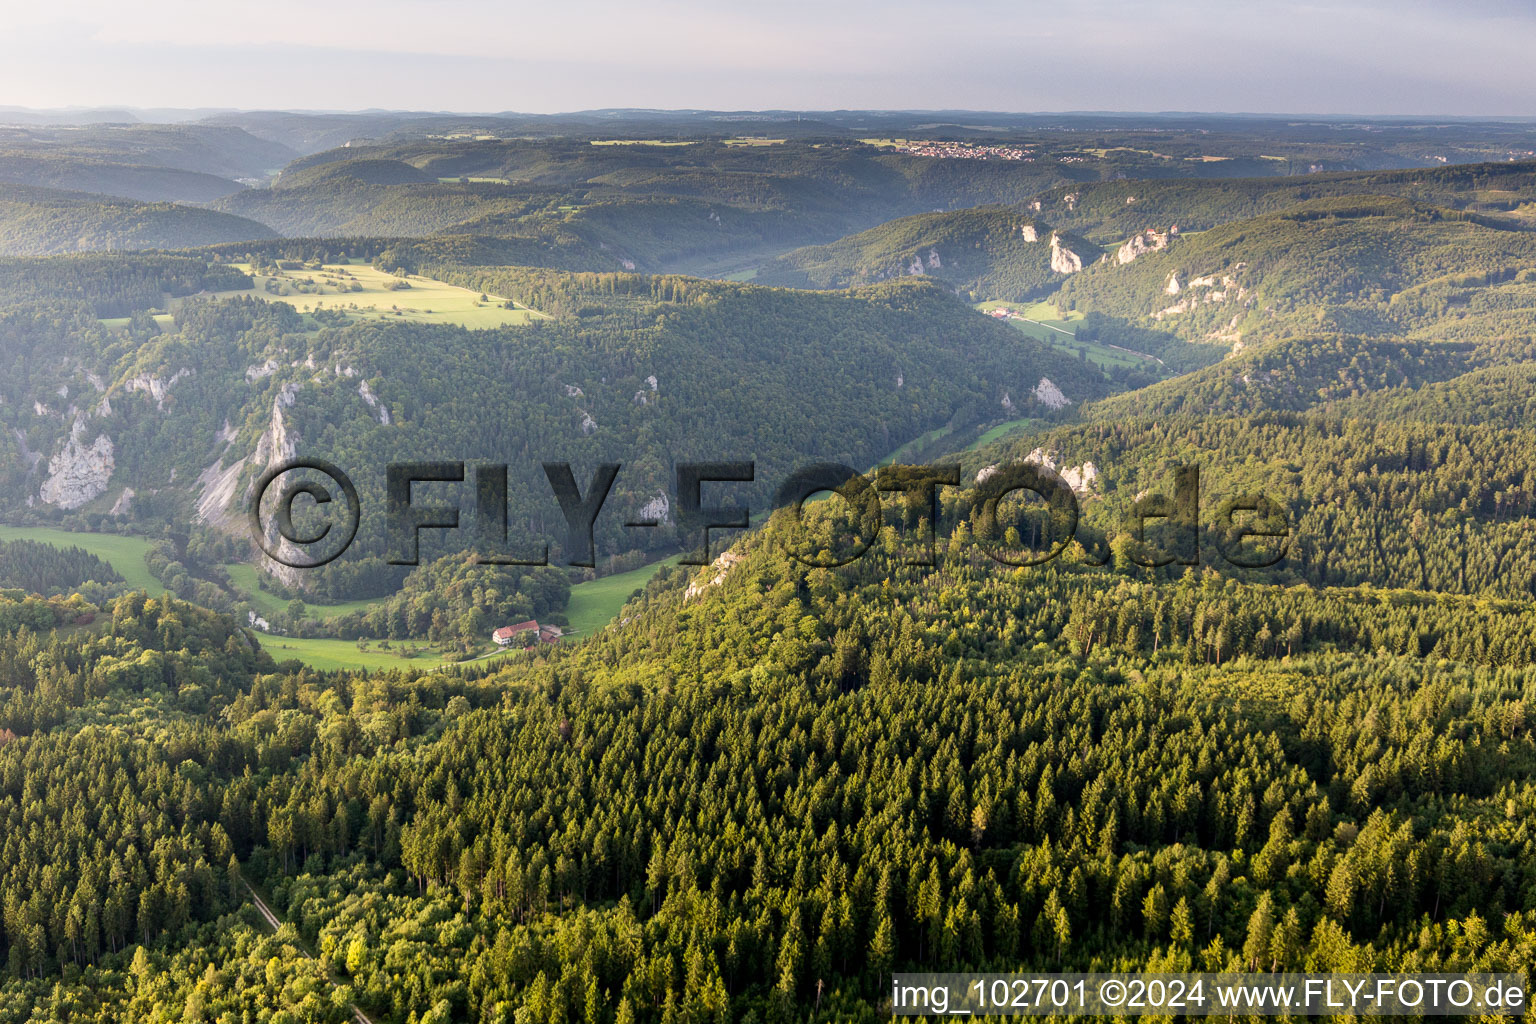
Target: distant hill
[991,252]
[1350,264]
[223,151]
[40,221]
[694,208]
[1111,211]
[128,181]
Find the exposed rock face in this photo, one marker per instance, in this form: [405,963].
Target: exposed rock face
[124,502]
[220,484]
[934,263]
[1140,244]
[1007,403]
[1064,260]
[1172,287]
[651,382]
[1206,290]
[588,424]
[266,369]
[916,266]
[657,510]
[713,574]
[373,403]
[1084,479]
[572,391]
[1049,395]
[158,389]
[1029,232]
[79,473]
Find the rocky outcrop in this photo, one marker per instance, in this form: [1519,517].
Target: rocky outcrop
[1049,395]
[266,369]
[1064,260]
[588,424]
[1140,244]
[1172,287]
[377,406]
[156,388]
[1205,290]
[1029,232]
[714,573]
[218,484]
[79,472]
[1084,479]
[124,502]
[657,510]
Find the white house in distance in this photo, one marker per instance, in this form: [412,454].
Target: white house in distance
[506,635]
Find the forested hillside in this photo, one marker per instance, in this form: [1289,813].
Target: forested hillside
[159,424]
[988,253]
[1109,211]
[974,768]
[41,221]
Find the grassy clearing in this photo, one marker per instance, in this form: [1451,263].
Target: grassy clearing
[1044,322]
[425,301]
[246,579]
[593,605]
[1003,429]
[328,655]
[596,603]
[124,554]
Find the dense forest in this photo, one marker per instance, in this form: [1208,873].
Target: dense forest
[850,771]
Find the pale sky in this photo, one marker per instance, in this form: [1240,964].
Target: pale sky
[1358,56]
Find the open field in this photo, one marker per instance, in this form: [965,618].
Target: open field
[593,605]
[328,655]
[116,322]
[1044,322]
[245,576]
[124,554]
[362,292]
[1001,429]
[596,603]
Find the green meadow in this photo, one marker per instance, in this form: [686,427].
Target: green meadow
[378,296]
[596,603]
[124,554]
[245,578]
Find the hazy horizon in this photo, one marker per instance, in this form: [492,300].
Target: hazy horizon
[1365,58]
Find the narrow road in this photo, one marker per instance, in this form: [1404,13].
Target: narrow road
[275,924]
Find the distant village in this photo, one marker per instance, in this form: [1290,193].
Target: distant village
[965,151]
